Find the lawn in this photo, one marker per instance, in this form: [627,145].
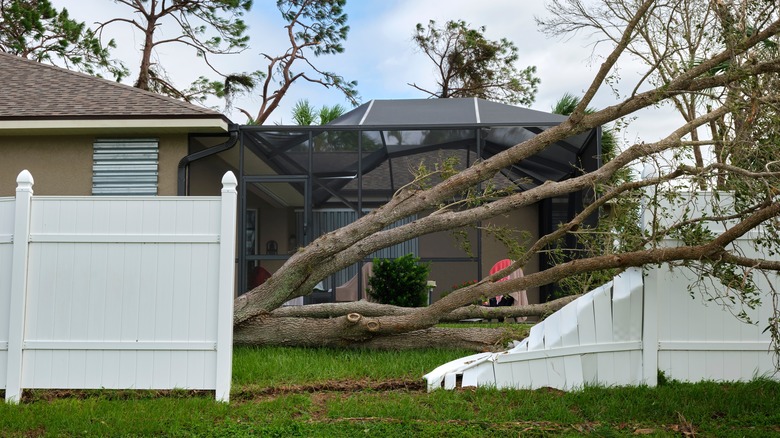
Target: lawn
[320,392]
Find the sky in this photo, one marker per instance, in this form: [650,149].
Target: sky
[380,55]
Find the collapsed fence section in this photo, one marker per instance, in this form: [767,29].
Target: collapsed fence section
[627,332]
[116,292]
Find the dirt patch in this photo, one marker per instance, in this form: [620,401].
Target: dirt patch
[34,395]
[339,386]
[244,393]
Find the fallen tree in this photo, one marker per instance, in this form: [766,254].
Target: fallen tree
[365,308]
[743,64]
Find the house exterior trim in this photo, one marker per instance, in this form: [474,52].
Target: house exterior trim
[107,126]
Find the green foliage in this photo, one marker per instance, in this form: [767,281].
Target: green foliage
[34,29]
[328,114]
[228,88]
[400,282]
[277,366]
[322,23]
[616,231]
[471,65]
[304,113]
[566,104]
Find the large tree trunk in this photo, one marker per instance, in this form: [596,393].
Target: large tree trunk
[302,332]
[348,325]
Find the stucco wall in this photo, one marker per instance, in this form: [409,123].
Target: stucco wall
[172,149]
[62,164]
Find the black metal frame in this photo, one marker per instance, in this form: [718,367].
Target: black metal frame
[309,178]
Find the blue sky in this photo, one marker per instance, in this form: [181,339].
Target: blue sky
[380,55]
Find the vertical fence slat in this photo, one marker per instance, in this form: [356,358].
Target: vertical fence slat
[650,364]
[227,255]
[24,192]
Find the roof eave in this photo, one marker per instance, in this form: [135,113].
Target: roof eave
[162,125]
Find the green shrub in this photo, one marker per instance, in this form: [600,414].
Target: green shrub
[400,282]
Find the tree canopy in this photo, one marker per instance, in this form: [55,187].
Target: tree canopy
[467,64]
[671,40]
[36,30]
[208,27]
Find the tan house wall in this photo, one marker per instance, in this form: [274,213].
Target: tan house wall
[205,176]
[62,164]
[172,149]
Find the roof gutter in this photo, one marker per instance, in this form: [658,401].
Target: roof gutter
[185,162]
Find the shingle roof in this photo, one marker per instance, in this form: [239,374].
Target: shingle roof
[35,91]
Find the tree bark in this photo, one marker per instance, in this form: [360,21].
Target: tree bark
[332,333]
[365,308]
[341,325]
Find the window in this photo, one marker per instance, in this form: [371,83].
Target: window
[125,167]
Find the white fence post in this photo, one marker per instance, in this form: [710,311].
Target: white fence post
[227,269]
[17,311]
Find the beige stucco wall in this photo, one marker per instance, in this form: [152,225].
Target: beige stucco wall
[205,176]
[62,164]
[173,148]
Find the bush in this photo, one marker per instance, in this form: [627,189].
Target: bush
[400,282]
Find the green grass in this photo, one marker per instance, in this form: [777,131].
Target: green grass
[274,366]
[319,392]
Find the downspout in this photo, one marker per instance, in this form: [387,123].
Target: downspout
[185,162]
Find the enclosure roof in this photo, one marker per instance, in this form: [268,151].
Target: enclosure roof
[395,130]
[444,113]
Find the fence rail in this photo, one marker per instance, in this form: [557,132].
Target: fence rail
[116,292]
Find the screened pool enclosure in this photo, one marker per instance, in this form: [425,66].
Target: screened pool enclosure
[299,182]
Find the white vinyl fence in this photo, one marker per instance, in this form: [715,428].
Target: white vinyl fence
[116,292]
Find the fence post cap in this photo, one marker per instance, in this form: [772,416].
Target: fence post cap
[229,180]
[25,179]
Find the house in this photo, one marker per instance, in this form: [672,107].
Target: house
[82,135]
